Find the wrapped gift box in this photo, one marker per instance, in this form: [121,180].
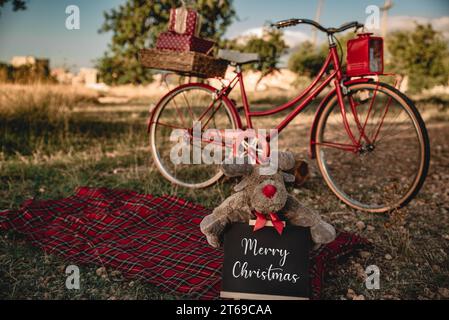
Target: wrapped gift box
[178,42]
[184,21]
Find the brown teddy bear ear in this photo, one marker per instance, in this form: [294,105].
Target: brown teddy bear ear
[236,170]
[301,172]
[286,160]
[289,178]
[292,164]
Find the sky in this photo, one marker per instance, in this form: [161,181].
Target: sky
[40,30]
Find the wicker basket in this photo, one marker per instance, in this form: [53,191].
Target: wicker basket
[186,63]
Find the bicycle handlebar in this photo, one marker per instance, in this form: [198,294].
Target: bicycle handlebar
[294,22]
[346,26]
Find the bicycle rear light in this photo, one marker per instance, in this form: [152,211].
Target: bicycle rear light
[365,56]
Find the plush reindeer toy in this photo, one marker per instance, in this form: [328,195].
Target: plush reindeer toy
[264,197]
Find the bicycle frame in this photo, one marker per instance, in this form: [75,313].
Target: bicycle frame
[299,103]
[308,95]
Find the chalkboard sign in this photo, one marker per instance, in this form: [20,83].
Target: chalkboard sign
[265,265]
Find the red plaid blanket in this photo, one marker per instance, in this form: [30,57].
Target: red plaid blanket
[154,238]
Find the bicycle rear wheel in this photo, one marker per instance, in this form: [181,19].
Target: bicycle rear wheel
[390,167]
[179,110]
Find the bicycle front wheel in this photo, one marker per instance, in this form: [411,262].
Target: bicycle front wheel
[390,165]
[180,110]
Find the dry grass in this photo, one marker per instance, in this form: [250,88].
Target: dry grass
[32,117]
[35,99]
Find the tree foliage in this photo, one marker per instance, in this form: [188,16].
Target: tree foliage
[422,55]
[307,60]
[16,4]
[137,23]
[270,47]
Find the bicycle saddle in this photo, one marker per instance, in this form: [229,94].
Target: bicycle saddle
[237,57]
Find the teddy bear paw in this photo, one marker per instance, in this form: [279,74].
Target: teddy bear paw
[214,241]
[323,233]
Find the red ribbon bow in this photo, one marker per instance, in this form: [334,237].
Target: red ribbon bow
[261,222]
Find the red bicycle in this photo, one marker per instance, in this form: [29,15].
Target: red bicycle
[369,140]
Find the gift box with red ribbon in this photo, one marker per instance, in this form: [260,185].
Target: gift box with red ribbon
[184,21]
[179,42]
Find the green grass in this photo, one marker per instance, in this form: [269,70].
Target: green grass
[49,146]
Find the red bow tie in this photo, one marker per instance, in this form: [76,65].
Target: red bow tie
[261,222]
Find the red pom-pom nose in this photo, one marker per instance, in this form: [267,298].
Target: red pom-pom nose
[269,191]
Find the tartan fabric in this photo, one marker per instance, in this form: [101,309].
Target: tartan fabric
[157,239]
[177,42]
[154,238]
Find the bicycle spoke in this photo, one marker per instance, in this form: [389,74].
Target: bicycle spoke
[180,115]
[168,125]
[393,135]
[383,119]
[188,105]
[336,145]
[356,117]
